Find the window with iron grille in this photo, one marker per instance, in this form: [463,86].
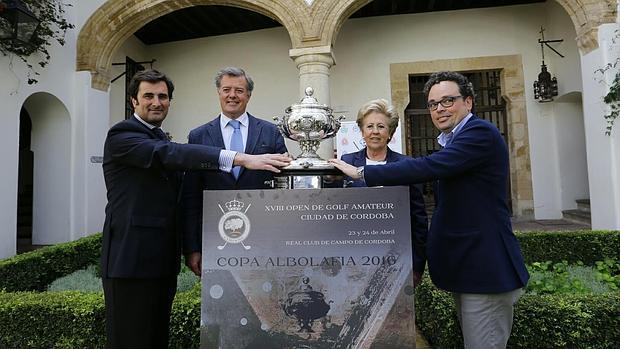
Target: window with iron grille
[421,134]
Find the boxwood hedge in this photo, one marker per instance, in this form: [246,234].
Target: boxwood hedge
[33,271]
[33,319]
[541,321]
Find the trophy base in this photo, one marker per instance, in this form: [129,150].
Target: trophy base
[308,173]
[310,164]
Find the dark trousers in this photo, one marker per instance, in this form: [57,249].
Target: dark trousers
[138,312]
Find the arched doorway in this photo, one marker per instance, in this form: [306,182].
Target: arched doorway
[572,161]
[50,147]
[24,183]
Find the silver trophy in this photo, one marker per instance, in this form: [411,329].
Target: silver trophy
[308,123]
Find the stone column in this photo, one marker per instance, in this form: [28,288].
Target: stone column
[313,64]
[603,152]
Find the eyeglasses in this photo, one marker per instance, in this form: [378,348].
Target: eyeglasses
[445,102]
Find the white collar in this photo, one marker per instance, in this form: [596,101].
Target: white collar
[243,119]
[144,122]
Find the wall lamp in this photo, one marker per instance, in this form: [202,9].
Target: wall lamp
[546,87]
[18,24]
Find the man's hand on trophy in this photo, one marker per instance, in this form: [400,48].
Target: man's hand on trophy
[269,162]
[347,169]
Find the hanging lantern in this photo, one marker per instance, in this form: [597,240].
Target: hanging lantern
[17,23]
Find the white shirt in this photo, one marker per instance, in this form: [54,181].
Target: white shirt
[144,122]
[375,162]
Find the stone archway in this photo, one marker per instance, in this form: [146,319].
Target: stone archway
[587,16]
[312,25]
[116,20]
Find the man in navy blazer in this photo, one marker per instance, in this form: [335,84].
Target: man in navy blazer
[471,249]
[256,136]
[142,239]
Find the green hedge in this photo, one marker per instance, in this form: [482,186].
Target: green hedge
[541,321]
[71,319]
[572,246]
[77,320]
[51,320]
[33,271]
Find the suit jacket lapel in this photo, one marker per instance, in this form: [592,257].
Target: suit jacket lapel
[254,130]
[391,155]
[215,133]
[360,158]
[141,125]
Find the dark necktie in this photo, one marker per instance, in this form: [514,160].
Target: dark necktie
[160,134]
[236,143]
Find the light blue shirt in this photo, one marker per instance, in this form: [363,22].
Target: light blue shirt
[227,156]
[227,130]
[444,138]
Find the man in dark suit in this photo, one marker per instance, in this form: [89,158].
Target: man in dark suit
[471,249]
[255,136]
[142,240]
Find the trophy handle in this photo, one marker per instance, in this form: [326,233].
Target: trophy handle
[335,126]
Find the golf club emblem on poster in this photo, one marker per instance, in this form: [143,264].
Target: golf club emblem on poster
[234,226]
[322,269]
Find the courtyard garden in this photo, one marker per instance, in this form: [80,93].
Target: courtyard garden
[52,297]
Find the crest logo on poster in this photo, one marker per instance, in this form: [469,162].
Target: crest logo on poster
[234,225]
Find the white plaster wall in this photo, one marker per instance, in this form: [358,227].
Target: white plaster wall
[89,135]
[559,26]
[55,79]
[9,143]
[60,80]
[603,151]
[192,65]
[83,11]
[569,135]
[51,144]
[136,50]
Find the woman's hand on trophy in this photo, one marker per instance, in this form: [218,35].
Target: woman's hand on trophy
[268,162]
[347,169]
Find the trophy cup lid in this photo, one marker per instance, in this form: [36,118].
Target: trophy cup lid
[308,99]
[309,102]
